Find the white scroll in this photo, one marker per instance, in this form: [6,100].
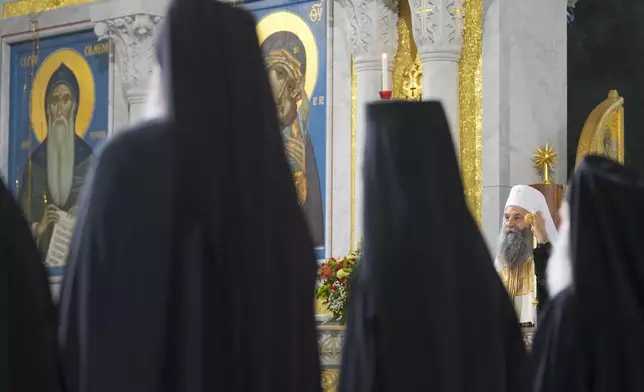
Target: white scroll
[60,240]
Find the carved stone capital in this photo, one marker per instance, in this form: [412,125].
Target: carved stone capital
[438,28]
[133,39]
[373,27]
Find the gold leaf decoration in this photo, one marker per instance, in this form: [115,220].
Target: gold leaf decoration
[407,71]
[545,160]
[36,7]
[470,101]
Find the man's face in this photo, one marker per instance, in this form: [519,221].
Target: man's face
[60,102]
[515,242]
[286,93]
[514,219]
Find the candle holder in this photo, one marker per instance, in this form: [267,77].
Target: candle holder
[385,95]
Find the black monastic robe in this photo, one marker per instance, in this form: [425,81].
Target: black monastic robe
[28,349]
[428,311]
[192,268]
[591,336]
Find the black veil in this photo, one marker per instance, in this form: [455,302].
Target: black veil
[592,335]
[192,268]
[428,311]
[232,167]
[28,350]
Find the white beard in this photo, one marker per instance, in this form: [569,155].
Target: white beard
[559,271]
[60,161]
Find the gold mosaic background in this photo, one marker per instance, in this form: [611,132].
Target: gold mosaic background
[26,7]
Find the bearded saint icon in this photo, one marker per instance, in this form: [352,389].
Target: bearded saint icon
[56,171]
[285,59]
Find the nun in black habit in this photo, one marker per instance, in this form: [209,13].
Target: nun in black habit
[591,337]
[428,311]
[28,349]
[192,268]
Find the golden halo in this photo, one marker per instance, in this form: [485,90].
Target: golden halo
[288,21]
[79,67]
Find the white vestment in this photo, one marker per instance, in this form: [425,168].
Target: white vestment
[521,282]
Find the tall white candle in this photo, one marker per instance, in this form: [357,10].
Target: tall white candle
[385,73]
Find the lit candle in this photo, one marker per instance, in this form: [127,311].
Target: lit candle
[385,73]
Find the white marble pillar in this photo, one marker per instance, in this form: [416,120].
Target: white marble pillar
[437,28]
[524,97]
[373,32]
[340,83]
[133,40]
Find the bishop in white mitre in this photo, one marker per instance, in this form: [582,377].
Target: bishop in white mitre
[524,250]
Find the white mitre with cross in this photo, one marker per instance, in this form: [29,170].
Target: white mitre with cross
[532,200]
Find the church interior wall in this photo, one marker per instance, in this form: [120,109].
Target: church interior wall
[524,90]
[605,44]
[524,98]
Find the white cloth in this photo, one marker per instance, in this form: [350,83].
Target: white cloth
[532,200]
[526,310]
[559,270]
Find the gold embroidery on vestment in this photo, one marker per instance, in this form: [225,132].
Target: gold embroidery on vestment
[519,281]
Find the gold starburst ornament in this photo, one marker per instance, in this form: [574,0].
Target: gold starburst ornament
[545,160]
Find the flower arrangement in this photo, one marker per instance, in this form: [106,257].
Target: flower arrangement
[335,277]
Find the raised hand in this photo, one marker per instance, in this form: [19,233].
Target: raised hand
[50,217]
[539,227]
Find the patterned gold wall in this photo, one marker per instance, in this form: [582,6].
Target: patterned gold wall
[407,72]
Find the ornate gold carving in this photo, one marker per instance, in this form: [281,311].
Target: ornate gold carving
[31,7]
[471,106]
[544,160]
[407,71]
[413,82]
[330,379]
[603,132]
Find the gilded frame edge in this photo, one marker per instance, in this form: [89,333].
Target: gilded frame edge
[613,104]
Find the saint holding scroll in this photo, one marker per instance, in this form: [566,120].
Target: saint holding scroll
[58,166]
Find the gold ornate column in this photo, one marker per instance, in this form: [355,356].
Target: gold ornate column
[407,71]
[407,76]
[471,106]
